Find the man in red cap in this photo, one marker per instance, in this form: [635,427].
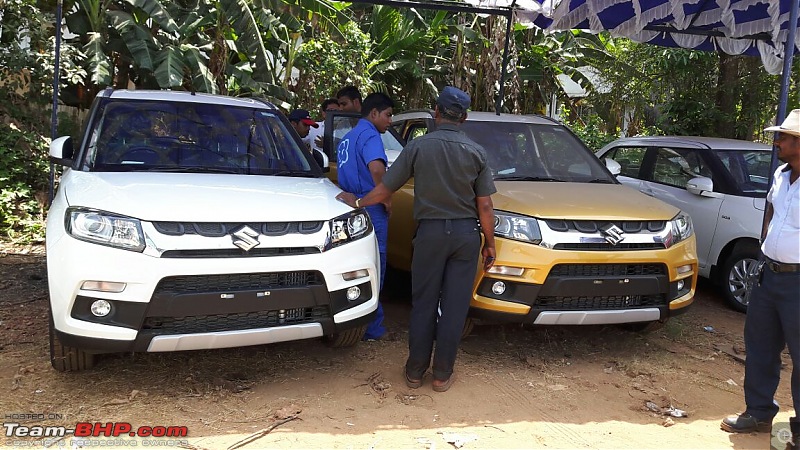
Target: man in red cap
[302,122]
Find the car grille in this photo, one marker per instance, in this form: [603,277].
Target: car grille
[593,226]
[219,229]
[606,247]
[236,282]
[599,303]
[232,322]
[237,253]
[606,270]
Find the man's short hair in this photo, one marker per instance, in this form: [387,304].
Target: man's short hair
[376,100]
[350,92]
[328,102]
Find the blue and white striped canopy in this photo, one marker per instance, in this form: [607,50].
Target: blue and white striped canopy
[752,27]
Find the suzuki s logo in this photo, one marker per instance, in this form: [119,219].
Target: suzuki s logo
[245,238]
[612,234]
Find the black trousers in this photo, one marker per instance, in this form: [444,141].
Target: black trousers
[772,324]
[442,273]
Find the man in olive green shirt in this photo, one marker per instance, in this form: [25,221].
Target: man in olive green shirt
[452,189]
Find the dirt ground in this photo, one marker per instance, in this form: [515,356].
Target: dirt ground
[517,387]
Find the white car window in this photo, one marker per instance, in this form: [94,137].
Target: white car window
[675,167]
[629,158]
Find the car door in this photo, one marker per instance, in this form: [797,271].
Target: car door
[666,179]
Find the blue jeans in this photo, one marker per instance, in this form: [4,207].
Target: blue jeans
[772,323]
[380,221]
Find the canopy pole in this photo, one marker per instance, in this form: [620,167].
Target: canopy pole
[54,115]
[509,19]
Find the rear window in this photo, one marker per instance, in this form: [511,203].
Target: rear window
[197,137]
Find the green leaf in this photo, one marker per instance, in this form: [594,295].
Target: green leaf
[202,78]
[99,65]
[137,39]
[157,13]
[170,68]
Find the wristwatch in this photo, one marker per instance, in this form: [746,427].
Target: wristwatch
[357,205]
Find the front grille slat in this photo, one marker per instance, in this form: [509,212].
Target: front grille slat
[592,226]
[218,229]
[606,270]
[238,253]
[606,246]
[237,321]
[237,282]
[586,303]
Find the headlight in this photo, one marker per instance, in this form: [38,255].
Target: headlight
[519,228]
[349,227]
[681,228]
[104,228]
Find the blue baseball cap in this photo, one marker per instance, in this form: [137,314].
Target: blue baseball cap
[453,100]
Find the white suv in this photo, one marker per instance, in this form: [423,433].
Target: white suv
[721,183]
[187,221]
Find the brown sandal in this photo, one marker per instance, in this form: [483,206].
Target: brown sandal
[447,384]
[413,384]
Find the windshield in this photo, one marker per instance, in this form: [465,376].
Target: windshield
[531,152]
[749,169]
[133,135]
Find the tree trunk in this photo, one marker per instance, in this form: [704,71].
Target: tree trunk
[725,120]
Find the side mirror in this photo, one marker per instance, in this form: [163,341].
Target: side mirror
[61,151]
[614,167]
[702,186]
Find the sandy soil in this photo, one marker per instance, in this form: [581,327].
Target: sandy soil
[517,387]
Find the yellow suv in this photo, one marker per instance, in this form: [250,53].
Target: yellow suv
[574,246]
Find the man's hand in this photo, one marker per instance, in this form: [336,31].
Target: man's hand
[488,254]
[318,141]
[347,198]
[387,205]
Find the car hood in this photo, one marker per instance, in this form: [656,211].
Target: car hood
[579,201]
[204,197]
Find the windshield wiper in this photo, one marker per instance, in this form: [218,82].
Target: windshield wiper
[600,181]
[189,169]
[292,173]
[526,178]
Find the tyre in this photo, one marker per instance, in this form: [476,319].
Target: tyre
[644,327]
[736,275]
[346,338]
[67,359]
[469,324]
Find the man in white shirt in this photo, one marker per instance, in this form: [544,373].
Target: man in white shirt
[314,138]
[773,313]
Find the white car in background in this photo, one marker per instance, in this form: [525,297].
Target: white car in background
[721,183]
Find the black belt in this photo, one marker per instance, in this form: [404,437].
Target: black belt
[779,267]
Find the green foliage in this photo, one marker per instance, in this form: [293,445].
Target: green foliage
[592,132]
[327,64]
[23,177]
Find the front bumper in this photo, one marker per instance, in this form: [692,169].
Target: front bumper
[586,288]
[171,304]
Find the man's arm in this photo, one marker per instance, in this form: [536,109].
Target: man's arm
[767,220]
[377,195]
[377,169]
[486,216]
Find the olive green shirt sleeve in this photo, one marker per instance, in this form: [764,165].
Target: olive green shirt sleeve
[401,169]
[484,184]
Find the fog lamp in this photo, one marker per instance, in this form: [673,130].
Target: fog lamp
[681,284]
[100,308]
[353,293]
[498,287]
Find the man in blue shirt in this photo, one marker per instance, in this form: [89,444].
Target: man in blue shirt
[361,162]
